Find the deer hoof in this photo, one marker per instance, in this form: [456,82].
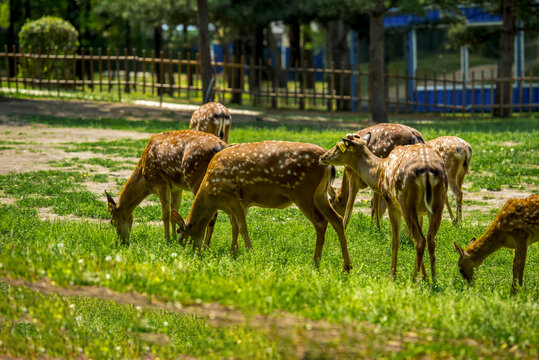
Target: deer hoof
[347,268]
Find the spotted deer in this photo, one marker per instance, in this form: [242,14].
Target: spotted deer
[171,162]
[384,138]
[457,155]
[413,182]
[213,118]
[515,227]
[271,174]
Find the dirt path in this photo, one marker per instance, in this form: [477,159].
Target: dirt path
[358,340]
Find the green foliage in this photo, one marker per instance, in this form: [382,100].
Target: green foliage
[49,33]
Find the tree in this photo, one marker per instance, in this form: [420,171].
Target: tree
[204,49]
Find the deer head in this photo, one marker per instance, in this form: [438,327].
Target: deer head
[182,226]
[345,151]
[213,118]
[466,267]
[122,223]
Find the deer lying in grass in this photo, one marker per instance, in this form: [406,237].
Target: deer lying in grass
[413,182]
[213,118]
[457,155]
[383,139]
[271,174]
[515,227]
[171,162]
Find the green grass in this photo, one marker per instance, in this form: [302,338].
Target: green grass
[278,275]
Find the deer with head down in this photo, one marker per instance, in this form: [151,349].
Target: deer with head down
[213,118]
[515,227]
[383,139]
[413,182]
[271,174]
[171,162]
[457,155]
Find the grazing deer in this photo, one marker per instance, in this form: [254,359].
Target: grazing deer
[213,118]
[383,139]
[171,162]
[271,174]
[413,182]
[515,227]
[457,154]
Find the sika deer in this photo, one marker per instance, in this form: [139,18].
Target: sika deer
[213,118]
[515,227]
[457,154]
[272,174]
[171,162]
[413,182]
[384,138]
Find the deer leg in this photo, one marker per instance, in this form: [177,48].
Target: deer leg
[519,261]
[235,231]
[458,198]
[378,208]
[320,225]
[176,203]
[413,221]
[453,219]
[238,212]
[435,219]
[209,231]
[395,220]
[165,197]
[322,205]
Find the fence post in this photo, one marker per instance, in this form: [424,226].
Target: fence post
[109,70]
[100,68]
[8,74]
[473,93]
[126,72]
[92,69]
[119,86]
[82,67]
[15,62]
[397,105]
[152,68]
[331,85]
[161,78]
[134,61]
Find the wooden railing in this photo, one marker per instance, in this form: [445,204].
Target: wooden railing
[260,84]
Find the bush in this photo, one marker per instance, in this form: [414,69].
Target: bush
[48,33]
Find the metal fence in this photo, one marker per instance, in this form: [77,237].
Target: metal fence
[261,84]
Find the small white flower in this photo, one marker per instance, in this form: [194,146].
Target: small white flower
[108,258]
[78,318]
[165,323]
[71,306]
[107,276]
[138,308]
[60,245]
[118,258]
[118,348]
[174,255]
[81,261]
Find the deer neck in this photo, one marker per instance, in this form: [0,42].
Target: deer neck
[133,193]
[368,168]
[481,248]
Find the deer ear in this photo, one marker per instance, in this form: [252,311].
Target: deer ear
[111,203]
[461,252]
[367,137]
[181,223]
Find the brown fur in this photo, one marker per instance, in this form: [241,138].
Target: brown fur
[516,227]
[383,139]
[457,155]
[272,174]
[171,162]
[413,182]
[213,118]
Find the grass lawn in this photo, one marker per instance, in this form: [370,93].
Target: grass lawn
[328,314]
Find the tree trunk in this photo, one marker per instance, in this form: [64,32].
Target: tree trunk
[308,55]
[14,14]
[376,68]
[258,55]
[158,45]
[339,54]
[278,74]
[505,60]
[235,75]
[294,38]
[204,50]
